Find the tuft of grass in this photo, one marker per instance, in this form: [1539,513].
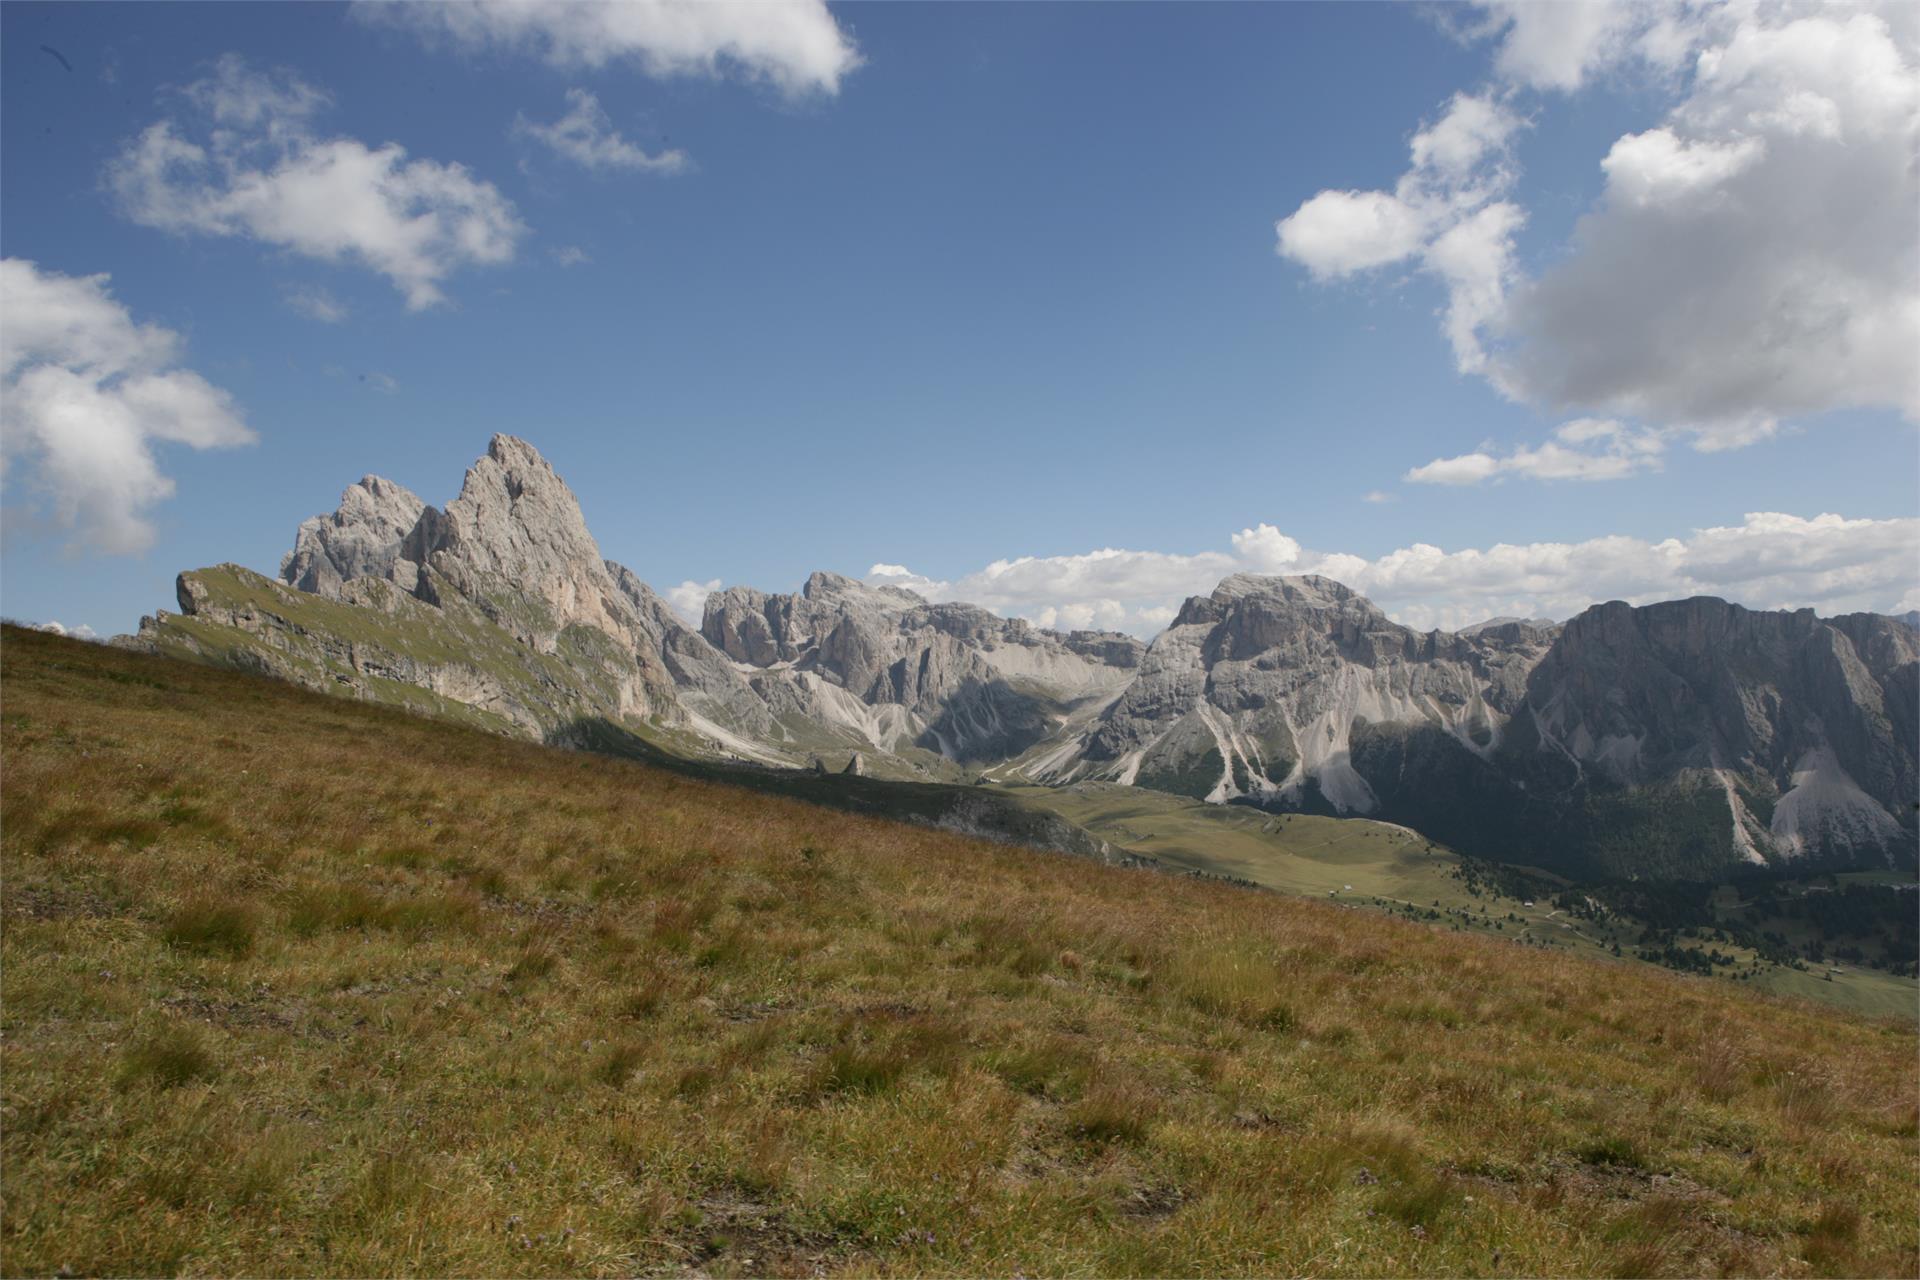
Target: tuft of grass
[166,1058]
[646,999]
[1054,1067]
[537,957]
[863,1068]
[1614,1151]
[319,908]
[203,926]
[1018,945]
[1832,1240]
[1720,1069]
[1113,1112]
[1804,1099]
[618,1063]
[1231,981]
[873,1055]
[1423,1200]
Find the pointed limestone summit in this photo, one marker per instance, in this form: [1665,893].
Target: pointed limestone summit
[360,539]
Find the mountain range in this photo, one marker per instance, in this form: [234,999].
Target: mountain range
[1685,739]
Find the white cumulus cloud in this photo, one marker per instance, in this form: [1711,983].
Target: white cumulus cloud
[1447,215]
[1751,257]
[1338,233]
[85,393]
[81,632]
[1769,561]
[689,599]
[250,164]
[1754,257]
[1558,45]
[586,136]
[794,45]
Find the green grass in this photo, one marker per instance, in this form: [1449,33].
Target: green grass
[206,927]
[483,1007]
[1380,866]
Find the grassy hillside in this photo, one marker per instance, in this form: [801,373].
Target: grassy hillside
[294,985]
[1394,869]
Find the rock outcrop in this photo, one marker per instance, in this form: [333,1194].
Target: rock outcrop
[501,602]
[360,539]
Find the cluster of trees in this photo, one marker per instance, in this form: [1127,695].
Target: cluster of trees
[1872,925]
[1686,959]
[1784,921]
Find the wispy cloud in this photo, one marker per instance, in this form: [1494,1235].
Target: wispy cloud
[1584,449]
[317,304]
[260,171]
[586,136]
[794,45]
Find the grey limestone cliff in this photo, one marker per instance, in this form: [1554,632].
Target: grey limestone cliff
[886,668]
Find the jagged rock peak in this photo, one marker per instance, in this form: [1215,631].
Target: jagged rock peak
[755,627]
[516,535]
[515,514]
[361,538]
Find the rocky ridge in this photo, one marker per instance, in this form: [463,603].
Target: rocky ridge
[1681,738]
[1688,736]
[502,603]
[906,675]
[1254,690]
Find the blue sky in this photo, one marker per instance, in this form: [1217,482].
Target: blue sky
[1007,288]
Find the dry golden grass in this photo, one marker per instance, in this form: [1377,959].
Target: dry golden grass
[297,986]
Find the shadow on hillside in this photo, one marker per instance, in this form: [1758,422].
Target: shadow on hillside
[986,721]
[969,811]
